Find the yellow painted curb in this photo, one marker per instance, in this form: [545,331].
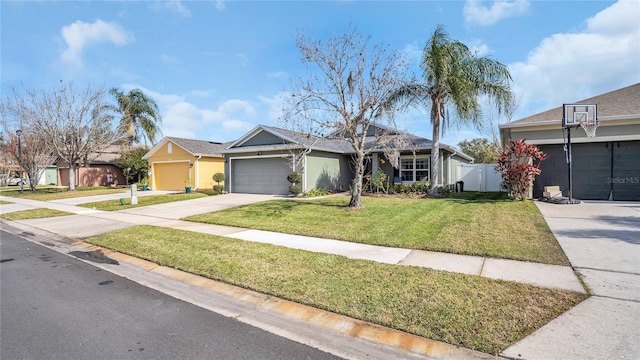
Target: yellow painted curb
[341,324]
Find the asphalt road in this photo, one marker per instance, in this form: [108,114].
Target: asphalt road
[53,306]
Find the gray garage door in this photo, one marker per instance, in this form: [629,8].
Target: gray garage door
[601,171]
[260,176]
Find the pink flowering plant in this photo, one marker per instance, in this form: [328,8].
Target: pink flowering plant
[519,165]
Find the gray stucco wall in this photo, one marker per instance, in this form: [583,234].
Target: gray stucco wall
[554,136]
[328,171]
[263,138]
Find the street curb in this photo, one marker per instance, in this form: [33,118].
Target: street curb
[265,311]
[326,320]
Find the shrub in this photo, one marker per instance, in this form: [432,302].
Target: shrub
[317,192]
[413,188]
[218,178]
[294,177]
[295,189]
[218,188]
[443,190]
[519,165]
[378,182]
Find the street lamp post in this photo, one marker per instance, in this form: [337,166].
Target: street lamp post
[19,133]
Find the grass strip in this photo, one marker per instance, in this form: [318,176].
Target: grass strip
[34,214]
[113,205]
[3,202]
[469,311]
[47,194]
[491,228]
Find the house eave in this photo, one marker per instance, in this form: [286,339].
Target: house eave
[256,130]
[558,122]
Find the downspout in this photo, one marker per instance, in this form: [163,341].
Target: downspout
[197,171]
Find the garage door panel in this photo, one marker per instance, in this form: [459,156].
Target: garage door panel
[554,170]
[260,176]
[599,170]
[170,176]
[625,180]
[591,168]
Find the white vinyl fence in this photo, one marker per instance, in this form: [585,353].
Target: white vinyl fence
[479,177]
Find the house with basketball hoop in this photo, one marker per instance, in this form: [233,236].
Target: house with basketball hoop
[604,143]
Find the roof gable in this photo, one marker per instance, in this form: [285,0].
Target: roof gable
[623,103]
[194,147]
[263,135]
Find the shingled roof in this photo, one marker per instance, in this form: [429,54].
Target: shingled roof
[199,147]
[335,144]
[618,104]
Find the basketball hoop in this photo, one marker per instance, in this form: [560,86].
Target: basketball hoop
[589,127]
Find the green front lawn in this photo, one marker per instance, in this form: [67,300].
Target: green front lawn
[481,225]
[470,311]
[56,193]
[34,214]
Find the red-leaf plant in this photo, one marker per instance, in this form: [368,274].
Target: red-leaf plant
[519,165]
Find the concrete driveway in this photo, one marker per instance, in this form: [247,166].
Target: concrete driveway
[602,241]
[92,222]
[180,209]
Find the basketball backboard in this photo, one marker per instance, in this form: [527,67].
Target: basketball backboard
[574,114]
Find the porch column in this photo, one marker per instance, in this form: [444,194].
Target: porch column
[374,163]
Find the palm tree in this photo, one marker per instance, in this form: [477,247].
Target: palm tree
[454,78]
[140,115]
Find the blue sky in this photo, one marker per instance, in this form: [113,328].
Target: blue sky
[219,68]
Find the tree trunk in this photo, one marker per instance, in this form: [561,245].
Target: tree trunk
[356,185]
[72,178]
[435,156]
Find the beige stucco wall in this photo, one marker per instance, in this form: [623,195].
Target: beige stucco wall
[200,171]
[205,168]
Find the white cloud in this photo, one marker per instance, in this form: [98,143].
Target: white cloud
[227,121]
[569,67]
[479,48]
[200,93]
[178,7]
[175,6]
[80,34]
[475,13]
[412,52]
[275,105]
[236,125]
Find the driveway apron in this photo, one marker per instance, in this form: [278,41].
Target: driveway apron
[602,241]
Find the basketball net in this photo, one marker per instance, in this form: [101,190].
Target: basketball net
[589,127]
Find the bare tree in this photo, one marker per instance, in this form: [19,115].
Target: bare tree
[75,124]
[341,99]
[32,152]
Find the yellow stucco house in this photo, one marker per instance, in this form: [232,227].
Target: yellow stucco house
[175,163]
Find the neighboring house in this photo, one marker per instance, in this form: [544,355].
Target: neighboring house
[175,163]
[100,170]
[49,173]
[260,160]
[605,167]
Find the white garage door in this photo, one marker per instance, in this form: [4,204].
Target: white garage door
[260,176]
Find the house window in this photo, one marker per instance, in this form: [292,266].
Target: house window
[169,148]
[414,169]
